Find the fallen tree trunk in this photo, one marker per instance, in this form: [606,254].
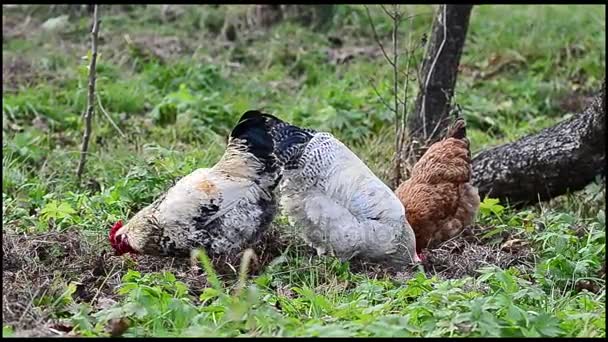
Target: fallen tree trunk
[557,160]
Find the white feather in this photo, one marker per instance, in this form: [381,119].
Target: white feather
[342,207]
[236,197]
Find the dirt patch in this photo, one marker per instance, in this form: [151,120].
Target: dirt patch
[17,72]
[574,102]
[465,254]
[162,48]
[459,257]
[42,265]
[342,55]
[270,245]
[17,26]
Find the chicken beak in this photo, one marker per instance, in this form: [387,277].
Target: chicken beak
[122,244]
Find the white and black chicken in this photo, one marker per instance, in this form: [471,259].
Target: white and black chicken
[222,208]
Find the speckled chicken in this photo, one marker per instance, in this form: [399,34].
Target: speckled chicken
[341,207]
[222,208]
[439,199]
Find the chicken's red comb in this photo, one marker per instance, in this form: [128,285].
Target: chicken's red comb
[113,231]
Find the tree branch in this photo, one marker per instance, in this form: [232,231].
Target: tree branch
[377,38]
[103,110]
[386,104]
[91,96]
[396,90]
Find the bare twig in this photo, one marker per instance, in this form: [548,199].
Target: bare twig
[371,81]
[103,110]
[391,15]
[429,139]
[395,68]
[377,38]
[91,96]
[33,298]
[110,274]
[399,105]
[402,137]
[393,61]
[397,171]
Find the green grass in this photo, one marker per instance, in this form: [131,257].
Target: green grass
[177,112]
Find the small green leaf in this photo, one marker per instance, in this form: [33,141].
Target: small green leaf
[7,331]
[66,209]
[490,206]
[209,293]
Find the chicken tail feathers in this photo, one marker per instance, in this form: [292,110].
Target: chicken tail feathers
[254,129]
[267,135]
[257,115]
[458,129]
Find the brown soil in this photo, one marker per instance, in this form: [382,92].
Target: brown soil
[45,264]
[574,102]
[17,26]
[17,72]
[162,48]
[40,265]
[465,254]
[460,257]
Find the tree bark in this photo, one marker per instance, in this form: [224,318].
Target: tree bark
[427,123]
[557,160]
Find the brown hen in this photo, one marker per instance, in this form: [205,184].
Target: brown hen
[439,199]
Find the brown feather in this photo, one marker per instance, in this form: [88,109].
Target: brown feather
[439,199]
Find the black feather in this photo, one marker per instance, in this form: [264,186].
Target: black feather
[254,129]
[265,134]
[257,115]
